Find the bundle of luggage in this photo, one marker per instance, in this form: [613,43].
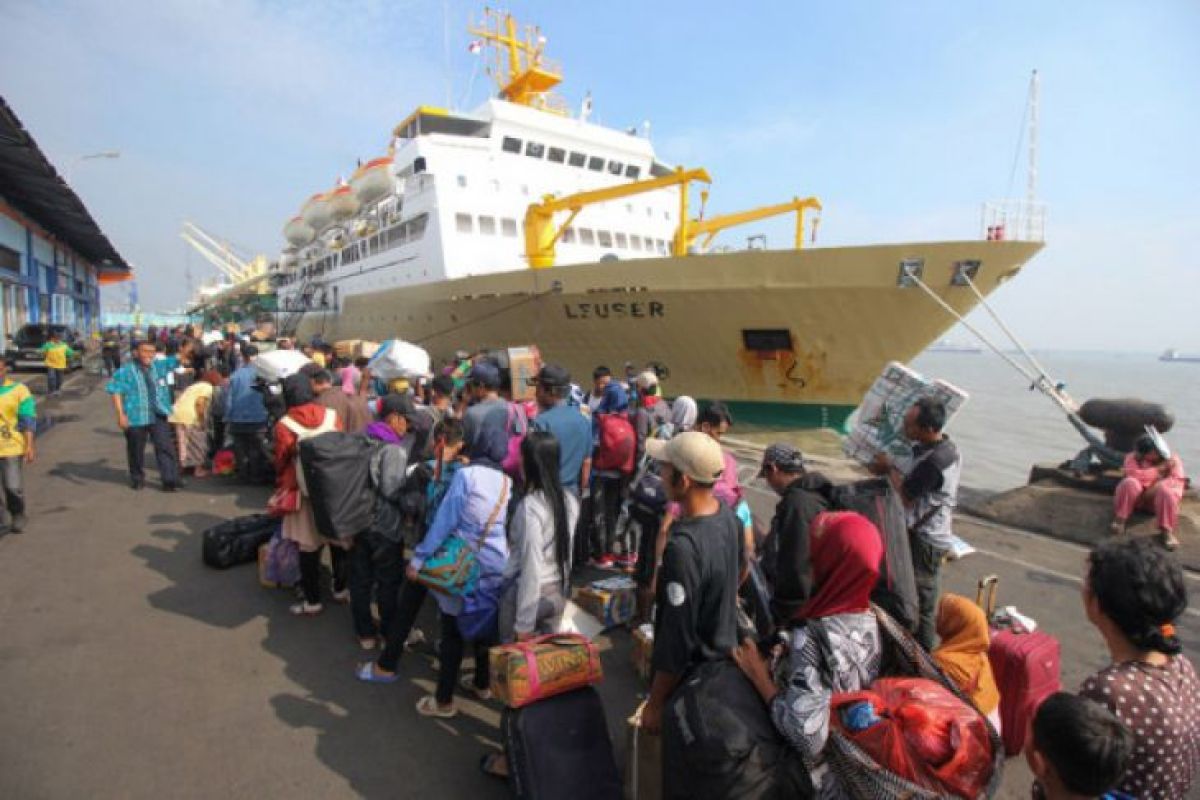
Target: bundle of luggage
[236,541]
[553,725]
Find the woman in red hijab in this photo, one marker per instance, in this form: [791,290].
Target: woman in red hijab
[835,644]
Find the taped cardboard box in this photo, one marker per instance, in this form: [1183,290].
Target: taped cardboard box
[612,601]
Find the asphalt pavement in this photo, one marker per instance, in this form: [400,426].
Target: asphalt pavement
[131,670]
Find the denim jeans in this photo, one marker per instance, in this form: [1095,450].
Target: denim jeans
[376,570]
[54,379]
[927,566]
[14,489]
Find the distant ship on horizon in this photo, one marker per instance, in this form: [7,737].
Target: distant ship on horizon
[1176,355]
[947,346]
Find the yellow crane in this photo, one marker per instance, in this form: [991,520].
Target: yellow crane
[541,234]
[693,229]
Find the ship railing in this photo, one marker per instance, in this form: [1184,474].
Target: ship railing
[1013,220]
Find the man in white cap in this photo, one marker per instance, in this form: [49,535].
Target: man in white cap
[696,620]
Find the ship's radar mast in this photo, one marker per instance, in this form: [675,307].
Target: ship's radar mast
[522,71]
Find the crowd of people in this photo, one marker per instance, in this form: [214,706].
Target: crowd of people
[618,477]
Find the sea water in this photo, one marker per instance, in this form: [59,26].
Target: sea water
[1005,428]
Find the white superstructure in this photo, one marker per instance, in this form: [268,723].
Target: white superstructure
[462,184]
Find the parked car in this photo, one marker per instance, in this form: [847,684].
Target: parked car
[26,353]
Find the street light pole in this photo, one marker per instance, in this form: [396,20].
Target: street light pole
[89,157]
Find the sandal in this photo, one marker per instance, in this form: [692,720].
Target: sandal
[487,765]
[1168,541]
[428,706]
[368,642]
[467,684]
[306,609]
[366,673]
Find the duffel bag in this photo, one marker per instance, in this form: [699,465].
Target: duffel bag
[542,667]
[236,541]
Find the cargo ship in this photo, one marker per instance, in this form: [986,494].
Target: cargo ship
[522,222]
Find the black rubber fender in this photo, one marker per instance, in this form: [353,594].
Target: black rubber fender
[1128,416]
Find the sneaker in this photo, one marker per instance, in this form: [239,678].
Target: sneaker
[415,637]
[18,523]
[306,609]
[605,561]
[341,597]
[627,561]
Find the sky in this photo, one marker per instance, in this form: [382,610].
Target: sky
[902,117]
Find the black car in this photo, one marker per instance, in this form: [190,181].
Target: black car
[27,354]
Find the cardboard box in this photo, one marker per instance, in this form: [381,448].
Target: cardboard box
[523,365]
[611,604]
[355,348]
[642,651]
[880,424]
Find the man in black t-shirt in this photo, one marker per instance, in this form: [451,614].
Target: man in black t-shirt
[696,619]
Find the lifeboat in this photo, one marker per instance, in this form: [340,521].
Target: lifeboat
[298,232]
[373,180]
[316,212]
[343,204]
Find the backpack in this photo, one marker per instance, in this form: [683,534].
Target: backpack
[617,449]
[328,424]
[337,471]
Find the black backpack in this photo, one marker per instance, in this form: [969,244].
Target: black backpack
[337,475]
[720,741]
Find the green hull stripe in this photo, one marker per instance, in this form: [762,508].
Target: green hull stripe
[790,416]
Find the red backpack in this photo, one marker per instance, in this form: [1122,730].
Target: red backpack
[617,449]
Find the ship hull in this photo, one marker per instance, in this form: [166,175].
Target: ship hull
[792,337]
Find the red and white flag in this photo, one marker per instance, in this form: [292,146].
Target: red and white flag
[475,47]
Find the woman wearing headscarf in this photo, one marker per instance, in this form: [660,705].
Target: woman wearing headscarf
[683,413]
[835,644]
[963,654]
[304,419]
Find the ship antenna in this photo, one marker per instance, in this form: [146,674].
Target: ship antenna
[1031,186]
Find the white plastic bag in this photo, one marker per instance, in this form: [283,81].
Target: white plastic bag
[278,364]
[399,359]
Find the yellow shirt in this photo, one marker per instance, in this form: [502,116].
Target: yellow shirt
[184,410]
[56,354]
[319,359]
[16,402]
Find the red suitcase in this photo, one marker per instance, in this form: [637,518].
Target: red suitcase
[1027,670]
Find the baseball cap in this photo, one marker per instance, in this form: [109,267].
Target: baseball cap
[485,374]
[647,380]
[783,456]
[551,375]
[695,454]
[400,404]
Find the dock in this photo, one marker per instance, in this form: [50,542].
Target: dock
[131,670]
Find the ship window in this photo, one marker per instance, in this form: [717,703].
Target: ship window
[462,181]
[621,241]
[666,215]
[649,211]
[416,226]
[586,236]
[463,223]
[495,185]
[510,145]
[632,172]
[662,246]
[508,227]
[604,238]
[568,236]
[636,242]
[596,164]
[772,339]
[556,155]
[419,164]
[535,149]
[576,159]
[615,167]
[487,226]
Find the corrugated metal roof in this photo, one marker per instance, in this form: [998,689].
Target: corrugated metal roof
[31,183]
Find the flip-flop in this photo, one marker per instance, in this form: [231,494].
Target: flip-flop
[487,765]
[467,684]
[1168,541]
[366,673]
[428,706]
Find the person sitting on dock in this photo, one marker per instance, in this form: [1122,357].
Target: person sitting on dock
[1154,480]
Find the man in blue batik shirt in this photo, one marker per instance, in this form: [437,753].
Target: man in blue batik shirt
[142,399]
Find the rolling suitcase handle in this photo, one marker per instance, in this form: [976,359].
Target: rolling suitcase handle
[985,594]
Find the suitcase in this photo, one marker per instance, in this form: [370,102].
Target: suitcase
[1027,670]
[643,768]
[559,747]
[236,541]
